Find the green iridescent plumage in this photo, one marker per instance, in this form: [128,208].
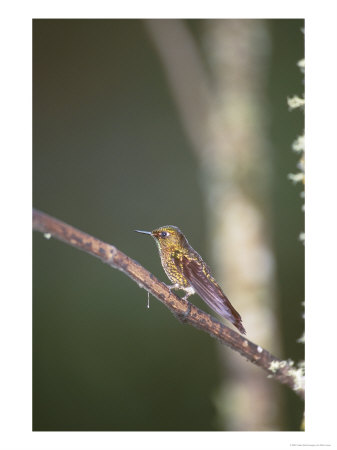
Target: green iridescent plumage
[187,270]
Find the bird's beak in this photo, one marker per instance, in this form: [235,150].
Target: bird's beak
[144,232]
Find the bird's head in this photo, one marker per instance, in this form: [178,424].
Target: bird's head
[166,237]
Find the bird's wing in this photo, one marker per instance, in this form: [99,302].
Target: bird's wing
[204,284]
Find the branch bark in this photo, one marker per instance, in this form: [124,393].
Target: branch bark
[185,311]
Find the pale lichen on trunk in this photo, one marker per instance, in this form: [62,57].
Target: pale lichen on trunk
[299,177]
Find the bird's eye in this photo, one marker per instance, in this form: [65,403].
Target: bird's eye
[163,234]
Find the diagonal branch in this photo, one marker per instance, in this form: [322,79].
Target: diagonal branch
[281,371]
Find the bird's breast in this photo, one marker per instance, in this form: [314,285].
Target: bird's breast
[172,265]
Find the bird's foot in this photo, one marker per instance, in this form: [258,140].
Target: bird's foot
[173,286]
[189,291]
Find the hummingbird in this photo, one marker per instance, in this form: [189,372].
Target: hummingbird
[188,272]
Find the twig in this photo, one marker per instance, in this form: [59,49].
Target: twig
[281,371]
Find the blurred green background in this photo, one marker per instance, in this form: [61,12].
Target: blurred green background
[110,156]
